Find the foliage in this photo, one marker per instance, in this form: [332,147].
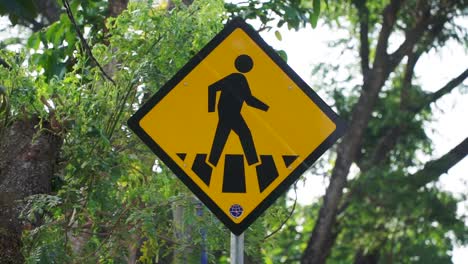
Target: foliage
[293,13]
[291,240]
[59,40]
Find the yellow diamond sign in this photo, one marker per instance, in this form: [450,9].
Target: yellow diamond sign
[237,125]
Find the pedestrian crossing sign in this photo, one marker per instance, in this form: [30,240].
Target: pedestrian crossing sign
[237,125]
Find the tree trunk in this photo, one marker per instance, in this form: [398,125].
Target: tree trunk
[49,9]
[116,7]
[369,258]
[27,162]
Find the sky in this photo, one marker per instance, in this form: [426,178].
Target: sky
[307,47]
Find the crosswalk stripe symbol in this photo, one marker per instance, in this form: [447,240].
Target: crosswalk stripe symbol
[234,174]
[288,159]
[237,125]
[202,169]
[182,155]
[266,172]
[234,171]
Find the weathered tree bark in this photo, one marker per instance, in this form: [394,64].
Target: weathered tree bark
[49,9]
[370,258]
[116,7]
[27,162]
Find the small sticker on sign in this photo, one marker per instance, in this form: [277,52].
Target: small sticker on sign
[236,210]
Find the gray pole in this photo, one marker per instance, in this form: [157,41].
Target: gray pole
[237,249]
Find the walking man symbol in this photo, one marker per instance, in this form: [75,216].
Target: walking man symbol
[235,91]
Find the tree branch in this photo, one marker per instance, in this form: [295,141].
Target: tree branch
[412,35]
[5,64]
[363,14]
[426,20]
[389,18]
[83,40]
[413,57]
[407,83]
[388,141]
[391,137]
[286,219]
[433,169]
[452,84]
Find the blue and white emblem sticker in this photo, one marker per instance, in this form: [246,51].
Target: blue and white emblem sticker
[236,210]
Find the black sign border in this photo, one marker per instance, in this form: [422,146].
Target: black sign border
[236,228]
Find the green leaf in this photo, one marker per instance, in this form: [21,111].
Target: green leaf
[317,6]
[278,35]
[306,4]
[283,54]
[313,19]
[315,14]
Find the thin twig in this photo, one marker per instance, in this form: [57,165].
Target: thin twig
[109,234]
[83,40]
[5,64]
[287,218]
[120,111]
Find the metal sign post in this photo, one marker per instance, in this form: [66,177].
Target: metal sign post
[237,249]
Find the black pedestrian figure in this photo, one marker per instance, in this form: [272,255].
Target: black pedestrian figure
[234,92]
